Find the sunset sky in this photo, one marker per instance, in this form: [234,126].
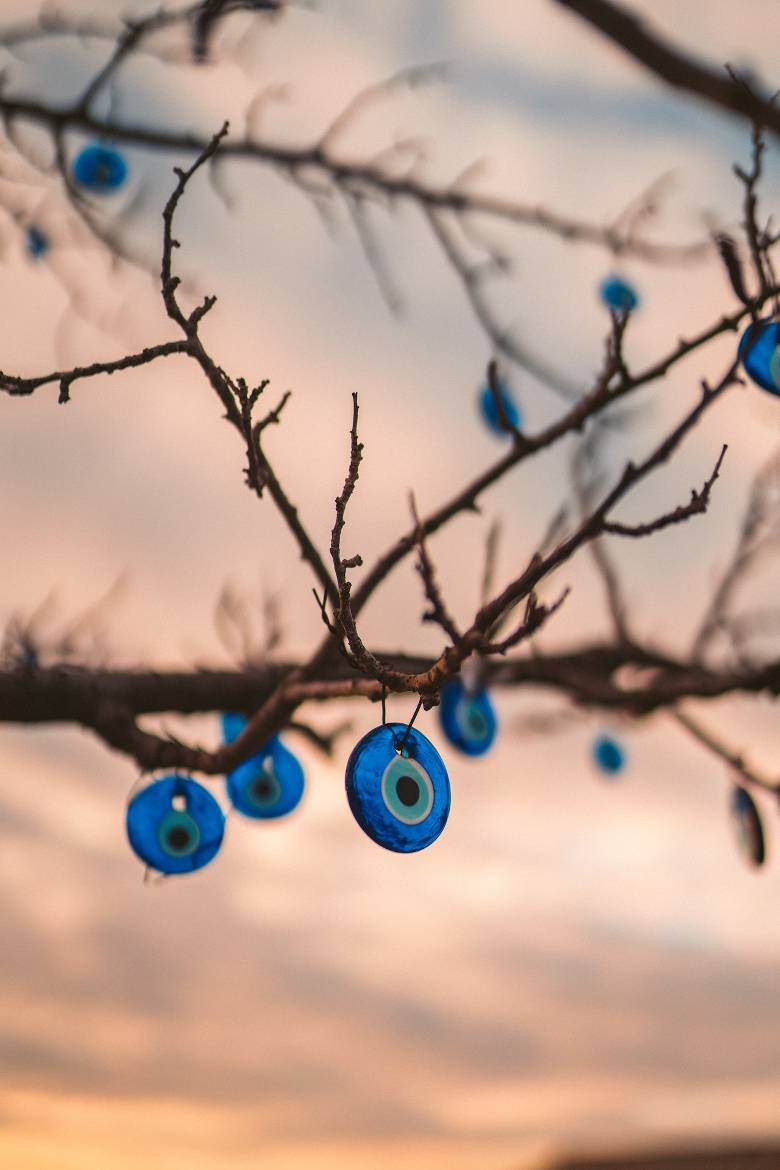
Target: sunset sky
[573,962]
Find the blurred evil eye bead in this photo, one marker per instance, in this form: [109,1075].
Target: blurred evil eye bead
[608,756]
[759,352]
[749,830]
[270,783]
[618,295]
[175,825]
[489,410]
[467,719]
[99,169]
[398,788]
[35,242]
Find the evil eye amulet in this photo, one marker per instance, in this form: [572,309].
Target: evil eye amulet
[608,755]
[618,295]
[398,788]
[489,410]
[747,822]
[759,351]
[468,720]
[100,169]
[270,783]
[175,825]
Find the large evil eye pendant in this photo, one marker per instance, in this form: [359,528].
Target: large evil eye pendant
[747,822]
[270,783]
[175,825]
[489,410]
[618,295]
[608,756]
[759,351]
[398,788]
[99,169]
[467,719]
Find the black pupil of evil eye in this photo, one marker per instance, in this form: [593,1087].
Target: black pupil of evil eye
[262,788]
[178,837]
[408,790]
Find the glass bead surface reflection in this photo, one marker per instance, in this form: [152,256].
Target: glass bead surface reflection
[175,825]
[400,798]
[608,756]
[468,719]
[618,295]
[100,169]
[270,783]
[489,411]
[759,351]
[747,823]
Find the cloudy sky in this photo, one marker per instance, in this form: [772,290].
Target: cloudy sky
[572,962]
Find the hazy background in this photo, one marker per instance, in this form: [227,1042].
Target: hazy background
[573,962]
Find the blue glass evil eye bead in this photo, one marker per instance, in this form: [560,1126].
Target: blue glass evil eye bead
[759,351]
[747,822]
[489,411]
[175,825]
[270,783]
[100,169]
[401,799]
[467,719]
[618,295]
[608,755]
[35,242]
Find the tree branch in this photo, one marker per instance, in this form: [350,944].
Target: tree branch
[676,68]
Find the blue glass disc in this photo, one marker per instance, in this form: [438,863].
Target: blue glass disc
[35,242]
[759,350]
[175,837]
[489,412]
[608,755]
[618,295]
[401,801]
[100,169]
[233,723]
[467,720]
[270,783]
[747,822]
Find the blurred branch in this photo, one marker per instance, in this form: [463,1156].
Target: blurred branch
[734,759]
[586,474]
[759,534]
[593,676]
[674,66]
[354,177]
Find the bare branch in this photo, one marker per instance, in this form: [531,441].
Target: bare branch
[438,612]
[696,506]
[14,385]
